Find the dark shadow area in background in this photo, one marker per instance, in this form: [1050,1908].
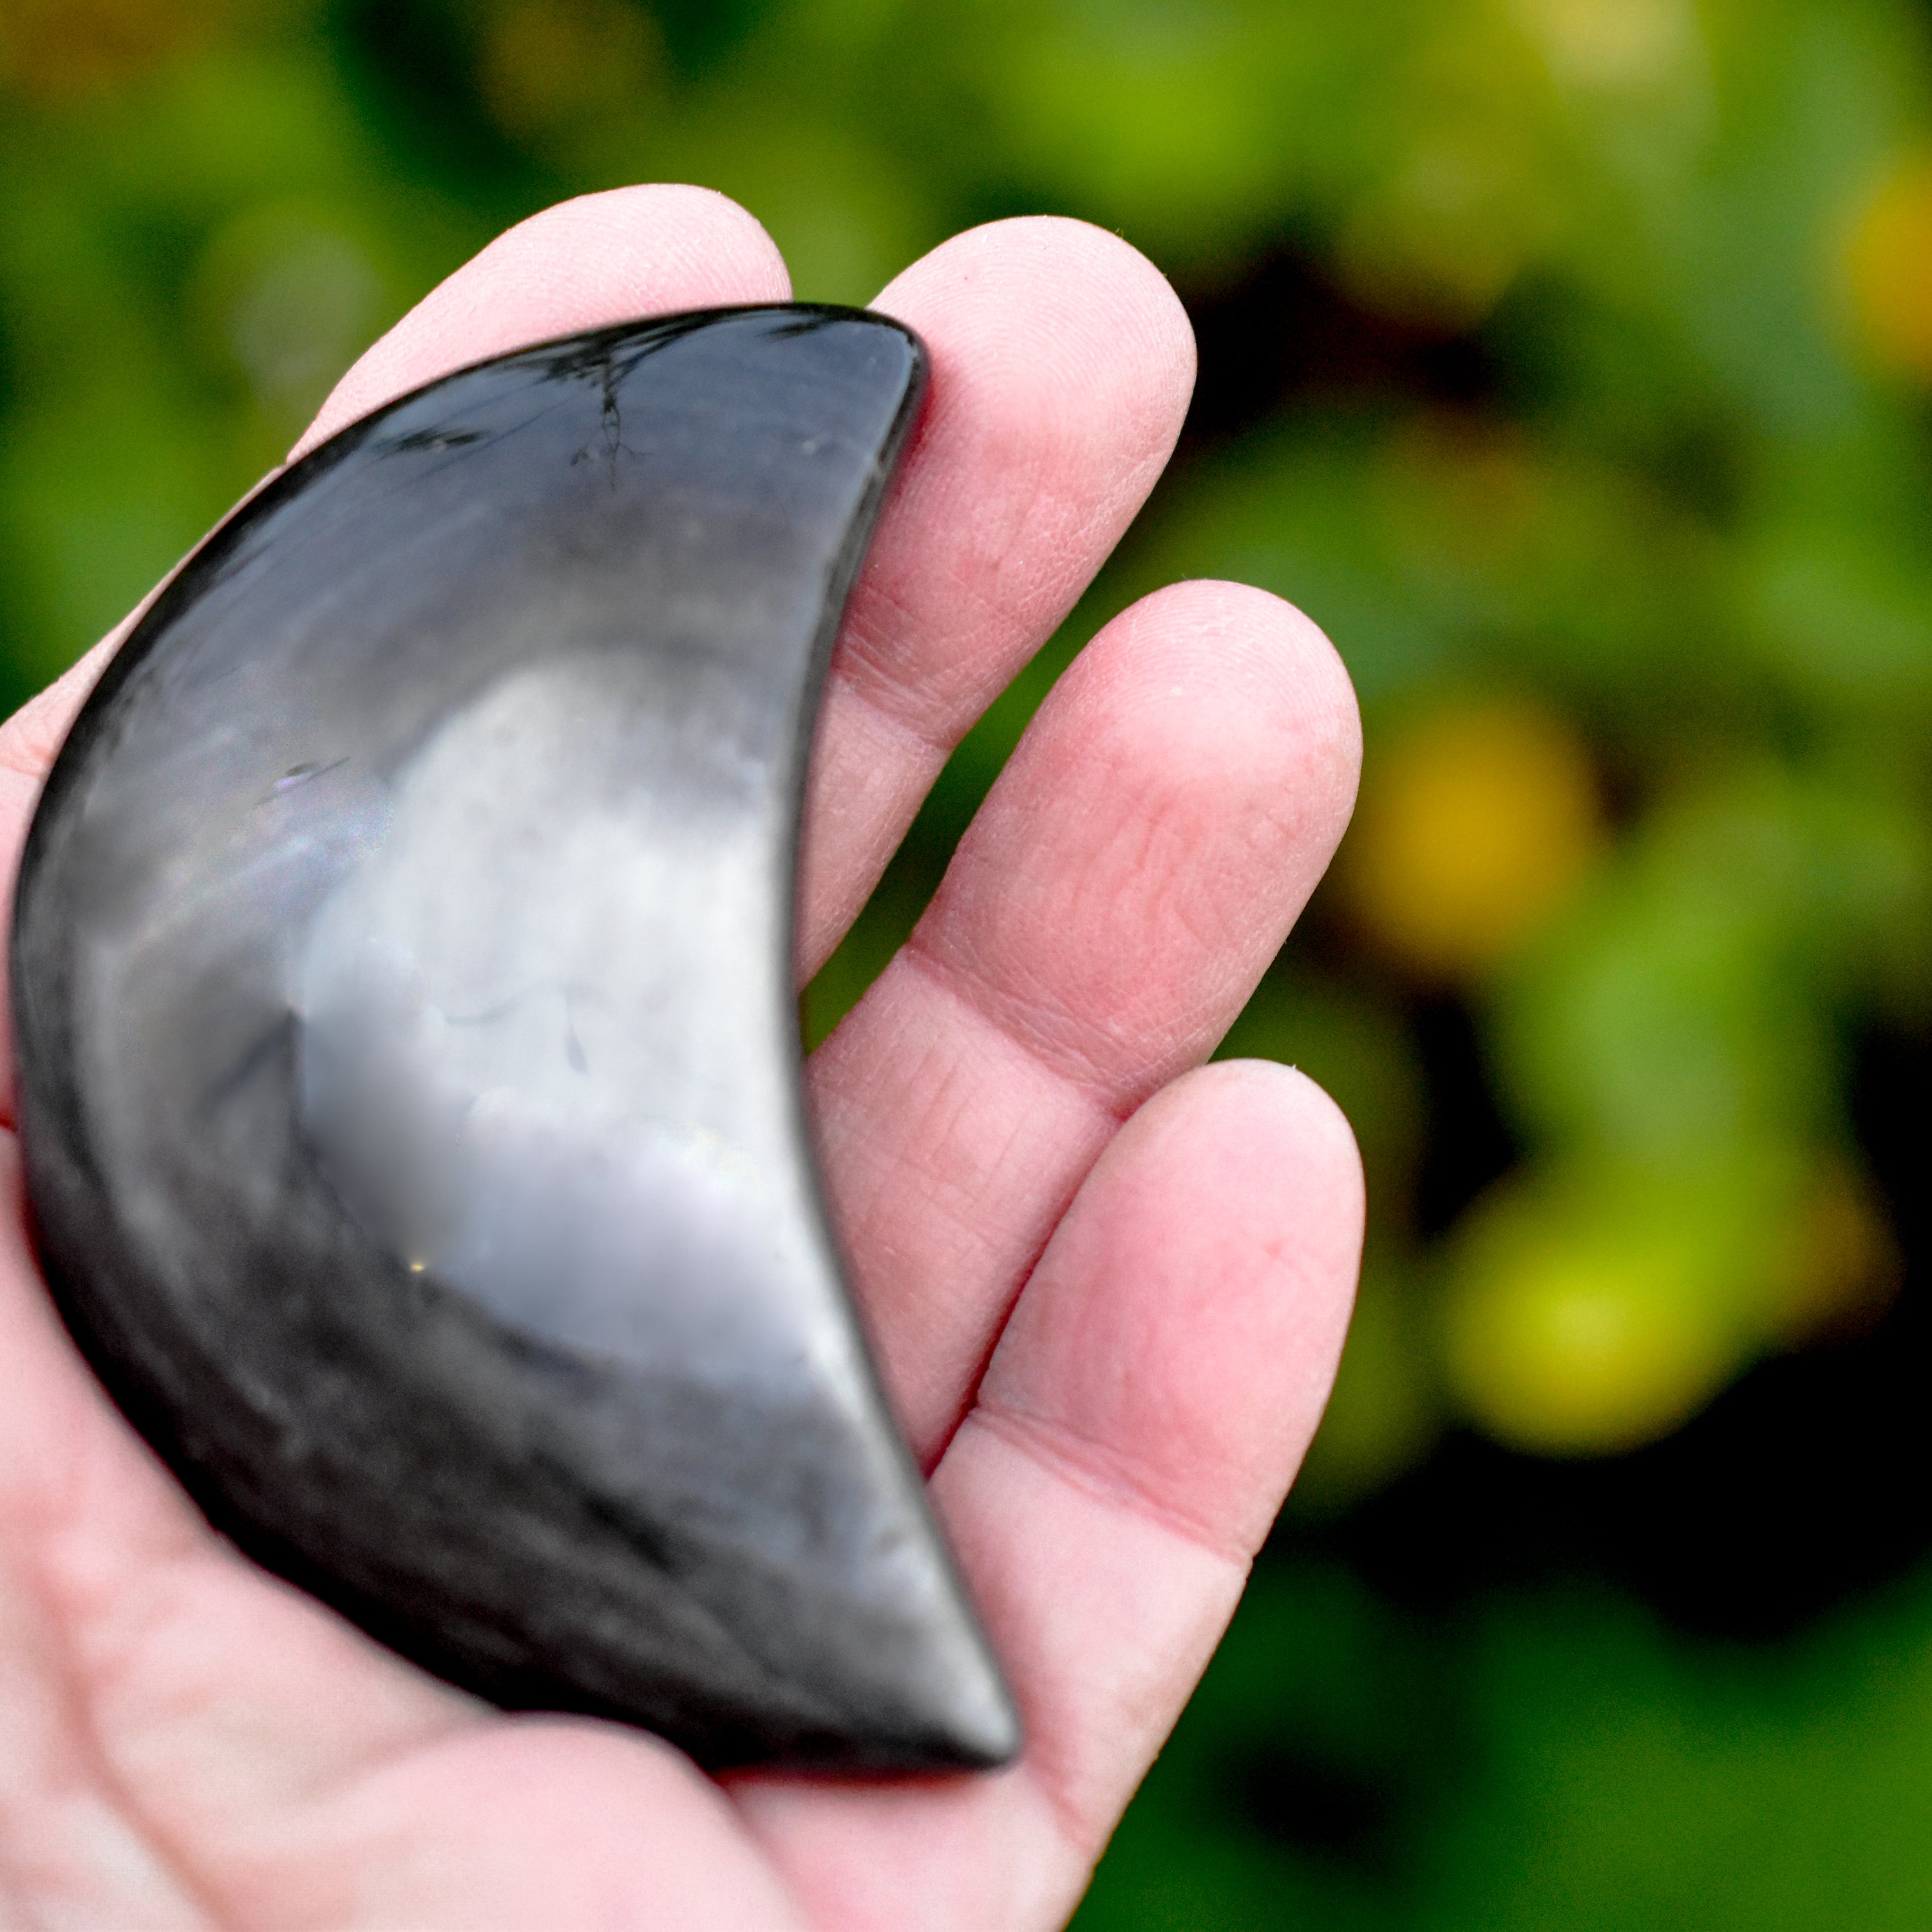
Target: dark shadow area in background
[1802,1487]
[1334,1812]
[1799,1489]
[1468,1147]
[1284,336]
[410,69]
[411,65]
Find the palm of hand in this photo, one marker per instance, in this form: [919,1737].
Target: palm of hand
[1107,1291]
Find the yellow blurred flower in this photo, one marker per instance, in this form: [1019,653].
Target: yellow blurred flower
[1585,1351]
[1589,1311]
[1888,269]
[1474,827]
[1592,1308]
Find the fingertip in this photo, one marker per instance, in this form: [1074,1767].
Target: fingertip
[1109,285]
[668,242]
[1261,1114]
[1101,329]
[1262,1164]
[1240,697]
[619,255]
[1169,810]
[1234,640]
[1190,1309]
[1255,1131]
[1062,364]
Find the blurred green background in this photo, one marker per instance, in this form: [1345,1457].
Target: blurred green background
[1570,361]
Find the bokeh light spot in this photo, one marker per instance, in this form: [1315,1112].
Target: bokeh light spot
[1475,828]
[1888,270]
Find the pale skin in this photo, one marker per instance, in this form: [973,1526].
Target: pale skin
[1107,1286]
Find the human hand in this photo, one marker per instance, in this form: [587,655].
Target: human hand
[1107,1288]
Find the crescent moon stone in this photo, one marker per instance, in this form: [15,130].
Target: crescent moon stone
[409,1062]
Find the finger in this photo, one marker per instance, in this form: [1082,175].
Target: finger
[1135,1431]
[1128,880]
[616,256]
[535,1823]
[1062,364]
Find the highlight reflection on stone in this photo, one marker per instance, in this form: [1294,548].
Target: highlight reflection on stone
[408,1060]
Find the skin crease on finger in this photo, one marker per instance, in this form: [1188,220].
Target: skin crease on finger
[184,1741]
[1104,920]
[1135,1434]
[1062,368]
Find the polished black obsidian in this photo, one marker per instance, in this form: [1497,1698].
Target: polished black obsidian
[408,1063]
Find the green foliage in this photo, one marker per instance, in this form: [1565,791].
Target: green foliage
[1560,1760]
[1604,393]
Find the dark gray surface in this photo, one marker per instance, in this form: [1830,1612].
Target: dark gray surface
[409,1057]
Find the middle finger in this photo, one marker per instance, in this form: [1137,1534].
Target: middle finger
[1105,917]
[1062,364]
